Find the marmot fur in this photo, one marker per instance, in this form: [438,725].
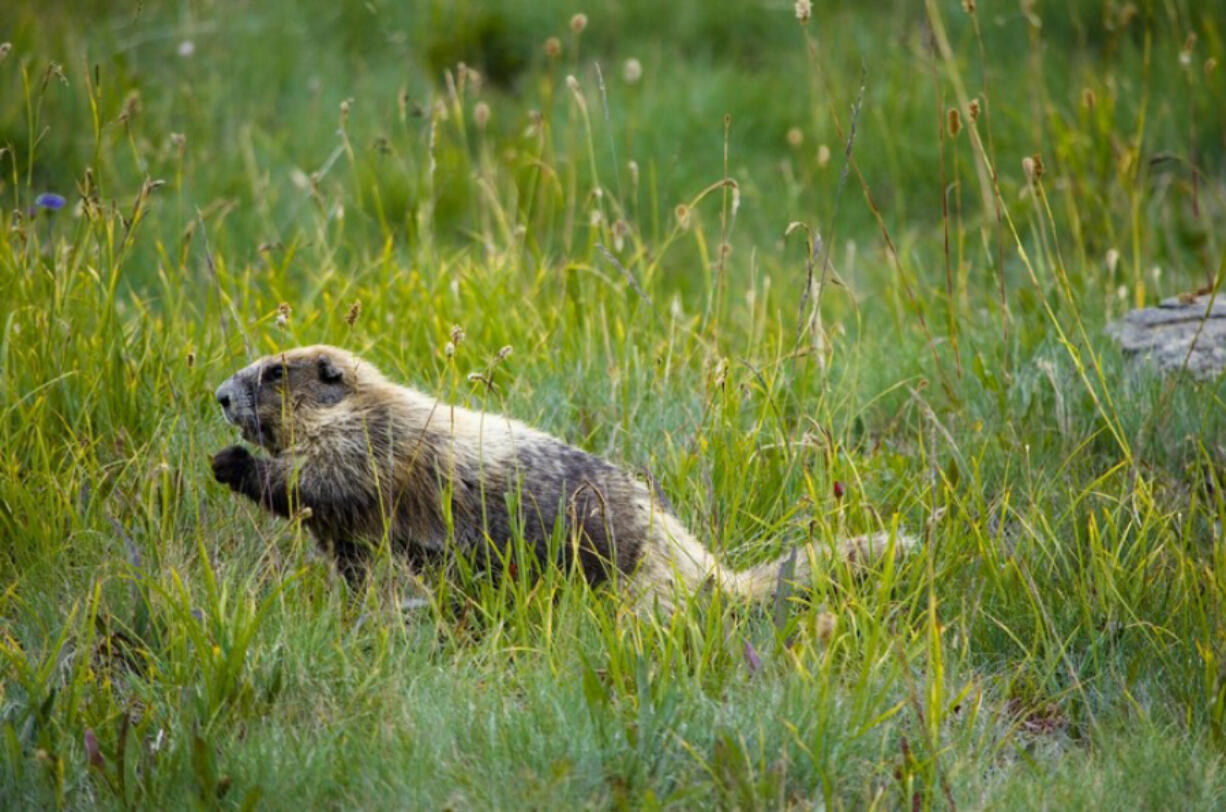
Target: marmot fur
[372,460]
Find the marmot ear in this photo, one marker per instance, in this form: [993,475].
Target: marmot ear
[329,372]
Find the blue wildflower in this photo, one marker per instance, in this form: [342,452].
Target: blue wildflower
[50,200]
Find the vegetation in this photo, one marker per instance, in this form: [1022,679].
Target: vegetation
[816,277]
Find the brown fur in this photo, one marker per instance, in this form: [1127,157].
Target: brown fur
[372,460]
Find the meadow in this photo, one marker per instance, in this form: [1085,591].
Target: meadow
[814,276]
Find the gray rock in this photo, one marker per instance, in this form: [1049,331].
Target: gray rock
[1183,332]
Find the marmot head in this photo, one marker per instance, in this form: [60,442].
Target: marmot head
[273,399]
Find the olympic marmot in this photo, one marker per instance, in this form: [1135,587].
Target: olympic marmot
[372,460]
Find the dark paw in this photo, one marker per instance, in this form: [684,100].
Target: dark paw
[231,465]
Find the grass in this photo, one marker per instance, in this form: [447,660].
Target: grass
[923,346]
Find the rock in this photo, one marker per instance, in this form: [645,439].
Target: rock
[1164,334]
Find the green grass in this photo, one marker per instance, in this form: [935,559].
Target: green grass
[1059,641]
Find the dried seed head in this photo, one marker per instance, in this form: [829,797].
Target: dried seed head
[449,349]
[823,155]
[476,377]
[972,109]
[131,107]
[1210,65]
[457,334]
[505,353]
[345,110]
[5,47]
[178,140]
[1112,260]
[955,122]
[481,115]
[632,71]
[572,83]
[553,47]
[682,213]
[595,218]
[824,625]
[1032,167]
[191,359]
[633,166]
[968,6]
[354,312]
[804,10]
[283,311]
[578,23]
[795,137]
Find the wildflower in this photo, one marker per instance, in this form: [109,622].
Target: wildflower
[553,47]
[481,115]
[795,137]
[804,10]
[50,201]
[838,489]
[632,71]
[578,23]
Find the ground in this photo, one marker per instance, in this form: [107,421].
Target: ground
[814,277]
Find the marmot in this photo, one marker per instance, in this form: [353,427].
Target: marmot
[373,460]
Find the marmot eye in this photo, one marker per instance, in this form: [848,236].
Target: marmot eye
[274,373]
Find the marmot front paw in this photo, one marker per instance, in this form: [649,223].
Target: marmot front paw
[230,465]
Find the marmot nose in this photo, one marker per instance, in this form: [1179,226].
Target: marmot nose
[223,395]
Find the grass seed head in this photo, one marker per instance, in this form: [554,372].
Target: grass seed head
[804,10]
[553,47]
[823,156]
[955,122]
[632,71]
[578,23]
[481,115]
[354,312]
[682,213]
[973,109]
[796,137]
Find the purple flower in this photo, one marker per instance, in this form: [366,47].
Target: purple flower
[50,200]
